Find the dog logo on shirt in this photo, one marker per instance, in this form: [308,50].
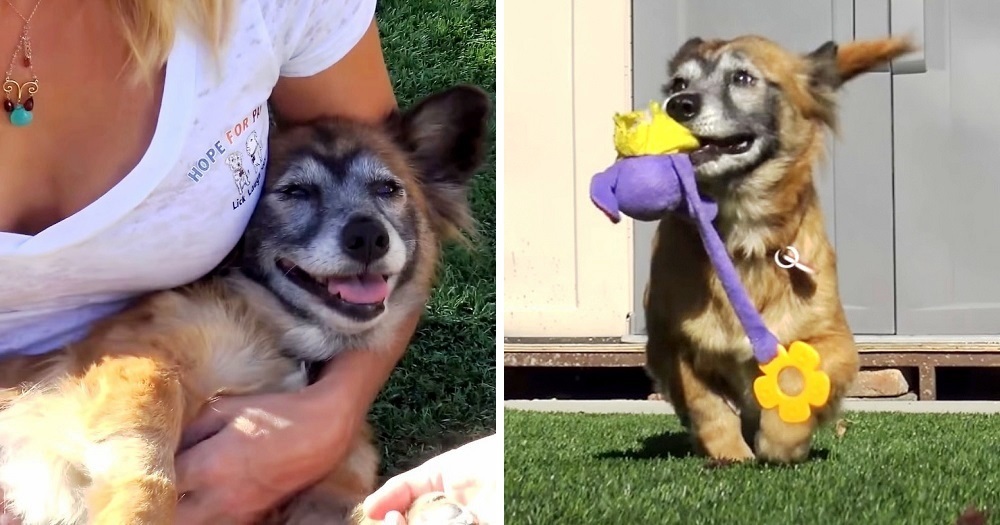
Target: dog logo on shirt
[240,175]
[255,151]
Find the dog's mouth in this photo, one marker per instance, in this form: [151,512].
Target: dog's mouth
[713,148]
[361,297]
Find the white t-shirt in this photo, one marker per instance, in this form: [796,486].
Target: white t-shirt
[184,206]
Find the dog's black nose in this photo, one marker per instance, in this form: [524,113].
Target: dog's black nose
[364,239]
[684,107]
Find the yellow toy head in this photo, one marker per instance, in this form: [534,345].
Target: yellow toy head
[651,132]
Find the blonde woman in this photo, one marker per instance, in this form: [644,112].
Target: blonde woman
[132,144]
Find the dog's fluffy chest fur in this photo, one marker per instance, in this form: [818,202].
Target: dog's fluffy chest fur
[699,315]
[251,353]
[242,327]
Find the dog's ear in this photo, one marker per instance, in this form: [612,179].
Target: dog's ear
[444,135]
[823,66]
[685,52]
[831,65]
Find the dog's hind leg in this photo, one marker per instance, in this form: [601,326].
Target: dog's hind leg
[781,442]
[96,448]
[714,424]
[134,430]
[133,408]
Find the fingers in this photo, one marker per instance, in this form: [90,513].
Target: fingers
[210,421]
[394,518]
[195,468]
[202,498]
[193,509]
[401,491]
[205,486]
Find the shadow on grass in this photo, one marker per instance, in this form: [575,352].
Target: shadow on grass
[675,445]
[662,446]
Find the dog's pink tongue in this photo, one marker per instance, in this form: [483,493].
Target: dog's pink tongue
[359,289]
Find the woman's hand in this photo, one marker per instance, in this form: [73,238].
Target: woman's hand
[266,447]
[468,475]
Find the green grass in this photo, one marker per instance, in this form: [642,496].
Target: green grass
[887,469]
[444,391]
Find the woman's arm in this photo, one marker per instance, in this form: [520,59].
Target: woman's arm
[357,86]
[353,379]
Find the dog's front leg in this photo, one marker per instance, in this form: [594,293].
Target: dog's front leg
[781,442]
[715,426]
[134,429]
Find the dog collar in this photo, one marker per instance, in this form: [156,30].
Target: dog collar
[788,258]
[312,369]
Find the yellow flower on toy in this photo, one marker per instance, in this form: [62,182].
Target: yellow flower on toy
[651,132]
[793,407]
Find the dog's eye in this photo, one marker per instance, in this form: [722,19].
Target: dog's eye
[678,84]
[295,191]
[386,188]
[742,77]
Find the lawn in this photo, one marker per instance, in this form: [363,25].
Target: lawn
[444,391]
[886,469]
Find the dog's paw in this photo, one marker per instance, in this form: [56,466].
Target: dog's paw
[436,508]
[723,463]
[782,451]
[724,449]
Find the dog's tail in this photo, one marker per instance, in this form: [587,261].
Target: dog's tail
[854,58]
[832,65]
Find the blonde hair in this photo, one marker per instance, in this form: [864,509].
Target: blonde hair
[149,27]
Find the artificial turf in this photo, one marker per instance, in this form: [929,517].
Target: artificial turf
[444,391]
[887,468]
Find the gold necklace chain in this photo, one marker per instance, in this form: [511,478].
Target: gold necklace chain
[15,103]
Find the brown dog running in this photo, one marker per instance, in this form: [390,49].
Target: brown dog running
[342,247]
[761,114]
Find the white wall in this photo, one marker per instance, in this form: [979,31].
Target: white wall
[567,70]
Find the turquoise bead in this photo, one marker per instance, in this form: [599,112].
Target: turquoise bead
[20,116]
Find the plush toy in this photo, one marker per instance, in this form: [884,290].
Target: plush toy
[654,176]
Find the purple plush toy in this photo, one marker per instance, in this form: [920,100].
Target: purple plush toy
[649,186]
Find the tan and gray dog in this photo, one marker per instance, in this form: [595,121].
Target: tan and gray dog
[761,113]
[342,246]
